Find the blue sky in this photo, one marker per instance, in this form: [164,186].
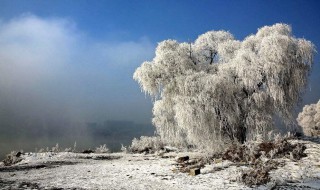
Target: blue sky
[75,59]
[179,19]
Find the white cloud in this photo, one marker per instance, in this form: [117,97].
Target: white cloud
[51,63]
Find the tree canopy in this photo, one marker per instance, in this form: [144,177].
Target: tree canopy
[219,89]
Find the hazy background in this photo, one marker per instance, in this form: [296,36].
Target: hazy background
[66,66]
[55,80]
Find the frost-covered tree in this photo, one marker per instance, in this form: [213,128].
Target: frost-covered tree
[309,119]
[219,89]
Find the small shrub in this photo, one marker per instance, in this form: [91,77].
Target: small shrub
[68,149]
[255,177]
[260,155]
[124,149]
[146,144]
[12,158]
[41,150]
[251,151]
[258,174]
[102,149]
[74,147]
[55,148]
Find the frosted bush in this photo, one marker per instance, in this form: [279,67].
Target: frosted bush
[74,147]
[146,144]
[41,150]
[124,149]
[55,148]
[68,149]
[102,149]
[12,158]
[309,119]
[219,90]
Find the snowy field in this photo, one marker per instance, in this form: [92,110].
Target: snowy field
[68,170]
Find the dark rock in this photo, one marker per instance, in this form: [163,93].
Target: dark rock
[28,185]
[18,154]
[194,171]
[87,151]
[182,159]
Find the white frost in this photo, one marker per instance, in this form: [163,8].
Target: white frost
[218,89]
[309,119]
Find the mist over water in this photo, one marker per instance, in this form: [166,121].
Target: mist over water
[55,80]
[85,136]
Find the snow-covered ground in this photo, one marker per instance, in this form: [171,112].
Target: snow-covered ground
[138,171]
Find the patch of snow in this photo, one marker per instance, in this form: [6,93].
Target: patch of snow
[139,171]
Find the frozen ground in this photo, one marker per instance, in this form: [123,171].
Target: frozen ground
[138,171]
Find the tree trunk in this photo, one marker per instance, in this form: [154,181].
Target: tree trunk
[242,134]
